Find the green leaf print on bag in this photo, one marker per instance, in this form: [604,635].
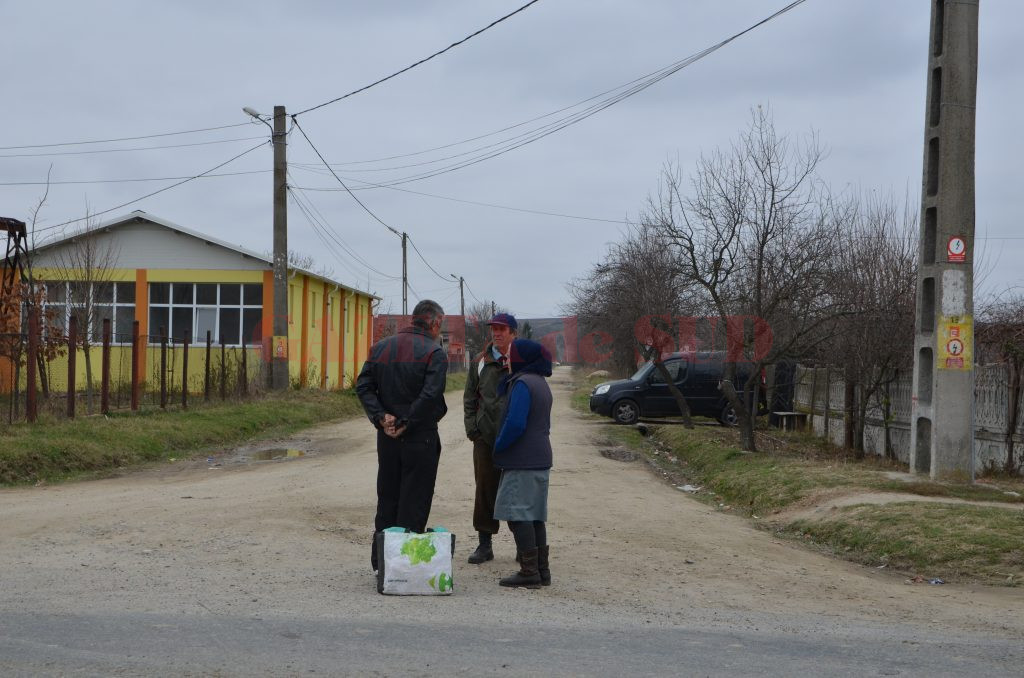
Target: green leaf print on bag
[419,550]
[441,582]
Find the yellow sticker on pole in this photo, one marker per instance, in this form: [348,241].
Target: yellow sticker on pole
[955,343]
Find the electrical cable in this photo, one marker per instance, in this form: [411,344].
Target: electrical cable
[423,259]
[370,184]
[108,141]
[150,195]
[468,289]
[324,239]
[368,210]
[127,150]
[130,181]
[533,135]
[333,233]
[421,61]
[495,132]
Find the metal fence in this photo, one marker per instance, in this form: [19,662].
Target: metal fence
[819,392]
[63,377]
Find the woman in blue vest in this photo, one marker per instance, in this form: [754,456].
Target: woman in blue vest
[522,451]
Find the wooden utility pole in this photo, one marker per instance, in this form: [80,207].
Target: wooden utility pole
[279,344]
[942,409]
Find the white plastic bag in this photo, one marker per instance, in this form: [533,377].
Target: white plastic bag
[412,564]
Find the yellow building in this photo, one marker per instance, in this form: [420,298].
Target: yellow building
[174,280]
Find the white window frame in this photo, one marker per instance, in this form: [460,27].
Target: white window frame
[174,333]
[92,304]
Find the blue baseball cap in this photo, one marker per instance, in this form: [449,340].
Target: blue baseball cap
[506,319]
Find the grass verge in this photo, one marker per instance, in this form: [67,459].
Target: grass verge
[54,450]
[950,542]
[947,542]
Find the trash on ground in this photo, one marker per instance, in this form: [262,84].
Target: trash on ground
[687,488]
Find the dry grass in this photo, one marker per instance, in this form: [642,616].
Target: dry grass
[794,469]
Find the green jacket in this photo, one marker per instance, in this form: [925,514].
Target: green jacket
[482,404]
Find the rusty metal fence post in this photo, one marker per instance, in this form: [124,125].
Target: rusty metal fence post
[30,364]
[245,373]
[223,375]
[135,366]
[72,355]
[105,369]
[163,367]
[206,368]
[185,341]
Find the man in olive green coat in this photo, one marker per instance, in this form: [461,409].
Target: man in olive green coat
[483,413]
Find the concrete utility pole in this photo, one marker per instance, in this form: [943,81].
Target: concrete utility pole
[279,362]
[462,297]
[405,276]
[942,412]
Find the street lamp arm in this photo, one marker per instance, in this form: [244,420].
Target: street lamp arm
[256,115]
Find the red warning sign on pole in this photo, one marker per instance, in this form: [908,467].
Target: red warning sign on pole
[956,250]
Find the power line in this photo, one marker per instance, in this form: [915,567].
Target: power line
[423,259]
[333,233]
[107,141]
[323,234]
[150,195]
[370,184]
[127,150]
[636,86]
[127,181]
[470,290]
[421,61]
[489,134]
[368,210]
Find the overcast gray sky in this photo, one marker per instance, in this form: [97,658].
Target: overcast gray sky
[853,71]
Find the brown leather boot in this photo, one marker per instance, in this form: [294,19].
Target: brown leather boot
[542,566]
[528,576]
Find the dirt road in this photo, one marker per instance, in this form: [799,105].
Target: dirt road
[234,539]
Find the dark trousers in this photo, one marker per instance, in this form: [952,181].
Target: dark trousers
[487,478]
[406,471]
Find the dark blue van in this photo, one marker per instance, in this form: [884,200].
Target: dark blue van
[696,374]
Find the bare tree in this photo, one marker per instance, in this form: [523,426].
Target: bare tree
[754,238]
[478,333]
[877,269]
[23,299]
[87,264]
[304,262]
[635,295]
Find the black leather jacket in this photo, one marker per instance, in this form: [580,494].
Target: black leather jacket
[405,375]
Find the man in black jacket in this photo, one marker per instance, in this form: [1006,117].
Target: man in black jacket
[401,387]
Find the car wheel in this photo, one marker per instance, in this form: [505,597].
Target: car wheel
[728,417]
[625,412]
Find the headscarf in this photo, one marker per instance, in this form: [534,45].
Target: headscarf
[525,357]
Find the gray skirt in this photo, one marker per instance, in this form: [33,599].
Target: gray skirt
[522,495]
